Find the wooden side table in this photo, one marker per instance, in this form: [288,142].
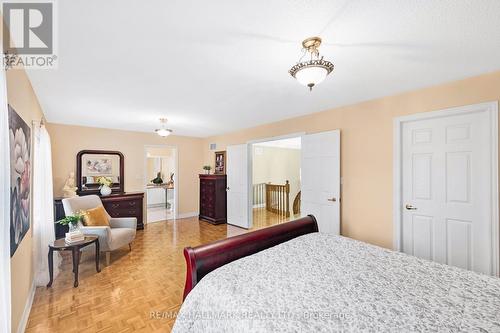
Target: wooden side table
[60,245]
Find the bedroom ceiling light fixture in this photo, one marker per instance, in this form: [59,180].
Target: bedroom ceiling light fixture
[314,71]
[164,132]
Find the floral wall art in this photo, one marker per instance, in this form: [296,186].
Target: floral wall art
[20,178]
[99,166]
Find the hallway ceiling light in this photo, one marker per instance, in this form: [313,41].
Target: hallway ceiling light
[164,132]
[310,73]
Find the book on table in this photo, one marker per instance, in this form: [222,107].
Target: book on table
[74,237]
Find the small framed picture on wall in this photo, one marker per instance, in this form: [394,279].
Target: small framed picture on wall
[220,162]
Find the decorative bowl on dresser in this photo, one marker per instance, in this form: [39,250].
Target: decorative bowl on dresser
[213,198]
[128,204]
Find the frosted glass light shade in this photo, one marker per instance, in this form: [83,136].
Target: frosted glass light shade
[311,76]
[163,132]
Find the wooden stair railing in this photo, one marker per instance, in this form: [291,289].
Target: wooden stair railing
[259,194]
[296,204]
[278,199]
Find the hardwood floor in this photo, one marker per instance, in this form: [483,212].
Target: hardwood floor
[138,291]
[121,298]
[262,218]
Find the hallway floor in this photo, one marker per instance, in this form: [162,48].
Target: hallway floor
[156,214]
[263,218]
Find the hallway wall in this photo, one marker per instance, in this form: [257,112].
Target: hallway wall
[276,165]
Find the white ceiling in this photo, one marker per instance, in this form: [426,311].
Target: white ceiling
[218,66]
[290,143]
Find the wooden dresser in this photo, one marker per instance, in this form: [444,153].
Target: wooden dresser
[128,204]
[213,198]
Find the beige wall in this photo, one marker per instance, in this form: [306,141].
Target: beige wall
[366,146]
[276,165]
[68,140]
[366,165]
[23,99]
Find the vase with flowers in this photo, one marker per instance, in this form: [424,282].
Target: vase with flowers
[74,222]
[207,169]
[105,183]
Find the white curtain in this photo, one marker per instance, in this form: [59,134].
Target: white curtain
[43,206]
[5,305]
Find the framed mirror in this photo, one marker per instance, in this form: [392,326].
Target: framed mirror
[93,164]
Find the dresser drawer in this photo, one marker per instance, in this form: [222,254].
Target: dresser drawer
[122,210]
[125,206]
[125,213]
[121,204]
[206,207]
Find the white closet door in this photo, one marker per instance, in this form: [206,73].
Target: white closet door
[446,175]
[238,200]
[320,179]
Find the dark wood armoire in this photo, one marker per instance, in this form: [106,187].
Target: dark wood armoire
[213,198]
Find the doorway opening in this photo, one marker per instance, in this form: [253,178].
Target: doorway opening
[276,167]
[318,183]
[161,183]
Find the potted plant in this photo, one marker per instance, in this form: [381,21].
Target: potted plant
[105,183]
[207,169]
[72,221]
[157,180]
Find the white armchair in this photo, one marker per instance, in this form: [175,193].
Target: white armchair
[121,231]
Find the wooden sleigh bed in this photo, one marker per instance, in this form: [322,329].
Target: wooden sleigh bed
[292,278]
[203,259]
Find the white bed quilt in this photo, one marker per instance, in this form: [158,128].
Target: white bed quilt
[324,283]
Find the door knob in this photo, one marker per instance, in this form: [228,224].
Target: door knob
[332,199]
[410,207]
[227,188]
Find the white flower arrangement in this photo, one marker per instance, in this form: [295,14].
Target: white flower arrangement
[104,181]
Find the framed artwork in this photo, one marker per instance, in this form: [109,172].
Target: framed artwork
[98,166]
[220,162]
[20,178]
[92,164]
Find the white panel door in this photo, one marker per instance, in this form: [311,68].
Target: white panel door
[237,186]
[320,179]
[446,197]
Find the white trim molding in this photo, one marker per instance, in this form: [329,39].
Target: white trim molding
[27,309]
[187,215]
[278,137]
[492,109]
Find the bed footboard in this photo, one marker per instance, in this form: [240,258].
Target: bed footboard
[203,259]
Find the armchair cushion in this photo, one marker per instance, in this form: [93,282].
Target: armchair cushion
[123,222]
[96,217]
